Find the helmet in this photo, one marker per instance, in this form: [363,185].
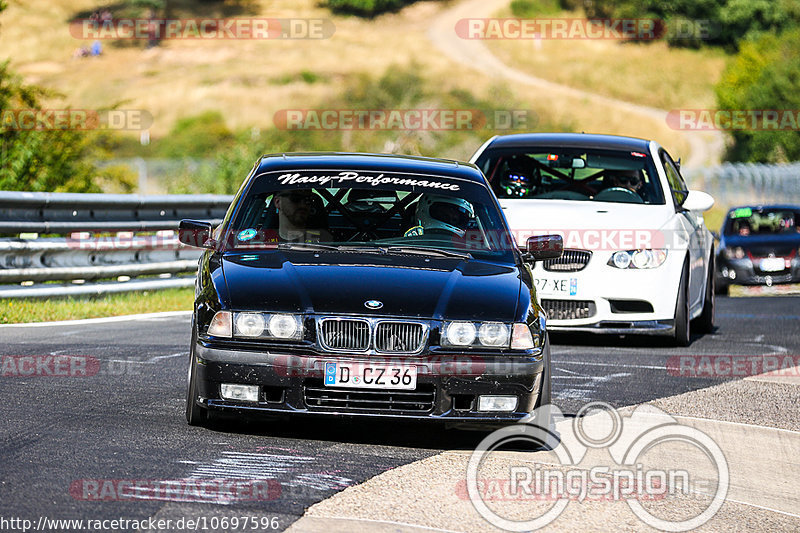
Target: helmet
[446,213]
[519,177]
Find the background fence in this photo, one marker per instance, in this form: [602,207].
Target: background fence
[55,244]
[748,183]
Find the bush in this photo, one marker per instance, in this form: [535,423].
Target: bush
[533,8]
[764,75]
[196,136]
[366,8]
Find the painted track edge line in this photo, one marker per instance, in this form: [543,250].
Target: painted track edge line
[98,320]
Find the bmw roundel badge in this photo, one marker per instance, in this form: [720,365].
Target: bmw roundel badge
[373,304]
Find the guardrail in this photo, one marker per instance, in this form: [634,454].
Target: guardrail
[91,237]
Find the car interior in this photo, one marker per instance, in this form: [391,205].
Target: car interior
[622,178]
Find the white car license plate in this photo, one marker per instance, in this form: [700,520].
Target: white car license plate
[366,376]
[772,264]
[556,286]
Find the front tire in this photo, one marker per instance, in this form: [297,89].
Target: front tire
[683,334]
[705,322]
[195,414]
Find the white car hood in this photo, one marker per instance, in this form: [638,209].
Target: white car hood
[587,224]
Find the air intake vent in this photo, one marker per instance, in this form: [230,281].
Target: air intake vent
[568,309]
[570,261]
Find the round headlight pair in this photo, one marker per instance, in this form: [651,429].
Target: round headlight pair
[638,259]
[493,334]
[255,324]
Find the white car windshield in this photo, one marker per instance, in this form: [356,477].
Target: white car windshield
[572,174]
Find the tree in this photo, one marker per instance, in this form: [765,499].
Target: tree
[764,75]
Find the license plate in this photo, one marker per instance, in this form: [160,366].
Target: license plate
[366,376]
[556,286]
[772,264]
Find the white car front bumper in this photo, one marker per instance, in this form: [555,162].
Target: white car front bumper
[603,299]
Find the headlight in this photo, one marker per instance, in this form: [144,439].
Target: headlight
[493,334]
[249,324]
[490,335]
[737,252]
[460,333]
[283,326]
[638,259]
[221,324]
[265,325]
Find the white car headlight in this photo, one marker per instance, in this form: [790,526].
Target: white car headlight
[460,333]
[638,259]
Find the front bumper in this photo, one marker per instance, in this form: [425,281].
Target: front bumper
[604,299]
[291,384]
[747,272]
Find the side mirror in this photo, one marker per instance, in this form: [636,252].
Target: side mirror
[544,247]
[698,201]
[195,233]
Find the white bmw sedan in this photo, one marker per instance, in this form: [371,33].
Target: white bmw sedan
[638,257]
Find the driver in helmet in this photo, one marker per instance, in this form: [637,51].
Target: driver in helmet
[519,178]
[442,215]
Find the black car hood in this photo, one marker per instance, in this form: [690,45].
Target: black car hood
[333,283]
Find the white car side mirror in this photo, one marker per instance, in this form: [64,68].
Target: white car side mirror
[698,201]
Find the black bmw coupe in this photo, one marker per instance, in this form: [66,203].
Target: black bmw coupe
[367,285]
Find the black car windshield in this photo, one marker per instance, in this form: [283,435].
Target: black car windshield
[572,174]
[746,221]
[362,211]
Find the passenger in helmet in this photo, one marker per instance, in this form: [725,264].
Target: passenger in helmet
[443,215]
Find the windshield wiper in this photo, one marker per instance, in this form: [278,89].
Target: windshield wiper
[310,246]
[424,250]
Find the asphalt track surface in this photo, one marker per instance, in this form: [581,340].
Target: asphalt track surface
[126,421]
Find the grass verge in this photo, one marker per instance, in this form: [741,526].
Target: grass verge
[15,311]
[651,74]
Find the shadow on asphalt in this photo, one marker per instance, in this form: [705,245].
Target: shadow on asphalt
[405,434]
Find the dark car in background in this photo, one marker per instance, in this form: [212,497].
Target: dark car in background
[405,298]
[759,245]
